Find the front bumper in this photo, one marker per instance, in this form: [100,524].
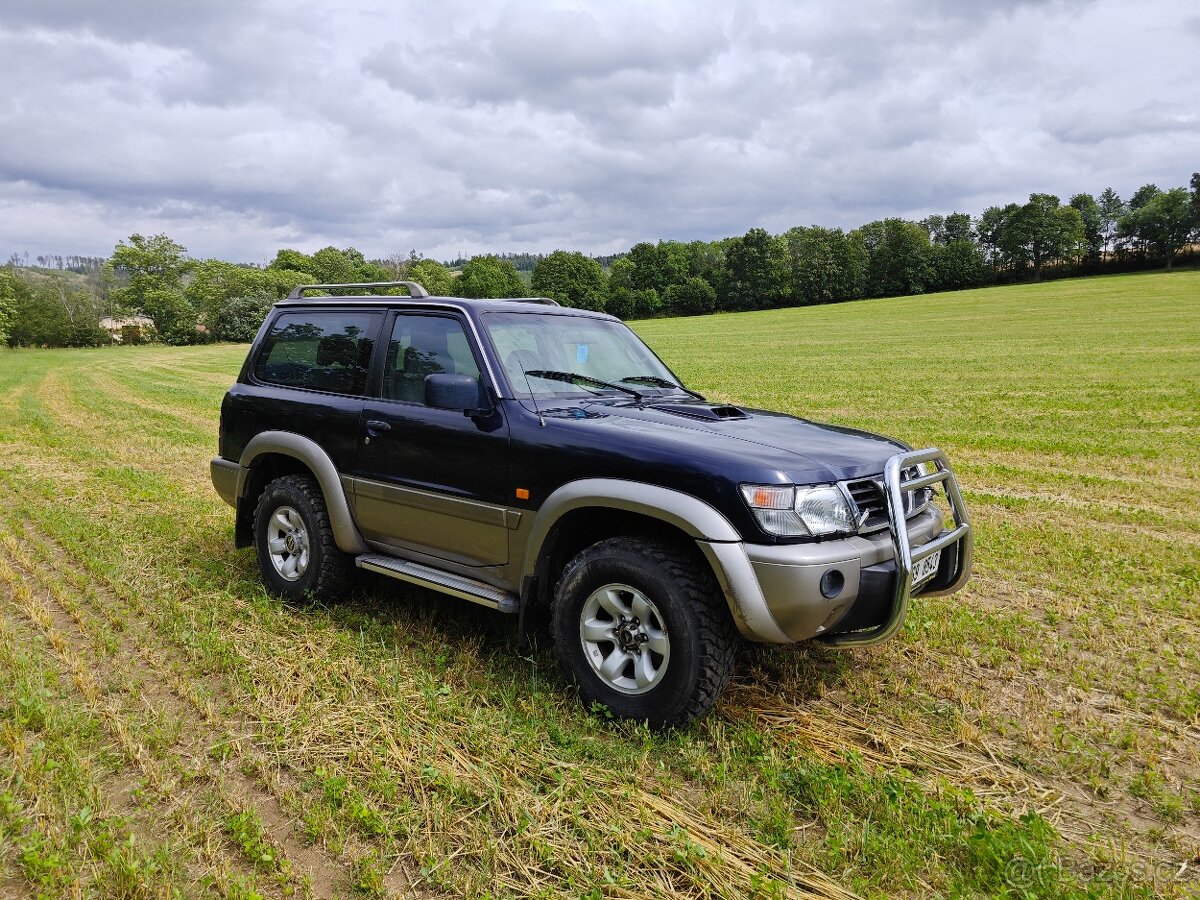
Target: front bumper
[775,591]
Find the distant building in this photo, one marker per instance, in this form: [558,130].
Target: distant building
[127,329]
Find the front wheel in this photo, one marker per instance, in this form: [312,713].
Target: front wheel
[641,626]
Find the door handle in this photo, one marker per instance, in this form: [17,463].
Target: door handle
[376,427]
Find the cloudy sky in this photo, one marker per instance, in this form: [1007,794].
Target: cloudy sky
[240,126]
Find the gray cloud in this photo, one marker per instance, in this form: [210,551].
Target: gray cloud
[241,127]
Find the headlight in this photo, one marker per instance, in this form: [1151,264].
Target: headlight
[790,511]
[824,510]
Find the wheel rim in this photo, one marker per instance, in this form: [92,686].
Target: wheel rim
[287,543]
[624,638]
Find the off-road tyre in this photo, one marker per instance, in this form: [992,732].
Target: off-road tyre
[697,624]
[328,571]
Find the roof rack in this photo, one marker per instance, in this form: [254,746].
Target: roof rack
[414,289]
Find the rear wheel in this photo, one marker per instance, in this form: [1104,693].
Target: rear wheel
[297,555]
[641,626]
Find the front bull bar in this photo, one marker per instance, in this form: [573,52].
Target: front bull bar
[895,487]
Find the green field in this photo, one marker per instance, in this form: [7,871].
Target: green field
[167,729]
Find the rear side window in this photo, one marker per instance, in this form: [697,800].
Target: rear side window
[320,351]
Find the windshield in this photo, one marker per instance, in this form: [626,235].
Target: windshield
[597,350]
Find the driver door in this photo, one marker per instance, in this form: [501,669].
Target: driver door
[432,480]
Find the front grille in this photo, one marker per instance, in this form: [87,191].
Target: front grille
[869,496]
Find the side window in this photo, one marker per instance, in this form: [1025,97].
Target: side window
[321,351]
[424,345]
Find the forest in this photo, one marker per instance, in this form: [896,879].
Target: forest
[150,289]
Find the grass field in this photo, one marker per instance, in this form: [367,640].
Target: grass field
[166,729]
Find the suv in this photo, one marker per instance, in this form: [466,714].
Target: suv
[526,456]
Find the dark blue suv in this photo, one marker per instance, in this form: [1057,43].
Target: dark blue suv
[527,456]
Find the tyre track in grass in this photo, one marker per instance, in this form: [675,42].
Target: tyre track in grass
[27,819]
[49,627]
[711,836]
[108,380]
[94,432]
[185,780]
[223,380]
[707,835]
[76,810]
[274,793]
[276,796]
[126,399]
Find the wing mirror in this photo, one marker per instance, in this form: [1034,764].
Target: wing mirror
[457,392]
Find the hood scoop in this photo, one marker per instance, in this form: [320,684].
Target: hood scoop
[700,410]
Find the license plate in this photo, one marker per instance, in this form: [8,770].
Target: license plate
[926,568]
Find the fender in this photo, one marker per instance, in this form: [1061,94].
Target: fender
[693,517]
[287,443]
[717,539]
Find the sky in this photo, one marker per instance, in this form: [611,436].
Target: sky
[241,126]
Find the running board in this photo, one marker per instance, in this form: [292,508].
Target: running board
[437,580]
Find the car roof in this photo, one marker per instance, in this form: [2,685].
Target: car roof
[540,305]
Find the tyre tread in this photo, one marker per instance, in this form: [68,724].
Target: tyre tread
[334,573]
[718,636]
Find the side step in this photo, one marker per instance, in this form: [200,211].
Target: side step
[437,580]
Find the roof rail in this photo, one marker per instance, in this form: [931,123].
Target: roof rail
[414,289]
[545,301]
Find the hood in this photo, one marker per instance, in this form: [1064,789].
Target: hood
[793,449]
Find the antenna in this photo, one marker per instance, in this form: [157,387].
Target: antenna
[532,395]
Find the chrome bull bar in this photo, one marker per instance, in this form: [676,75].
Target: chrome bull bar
[895,487]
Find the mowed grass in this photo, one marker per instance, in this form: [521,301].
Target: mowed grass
[168,730]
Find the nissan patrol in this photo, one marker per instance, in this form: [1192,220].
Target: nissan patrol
[523,455]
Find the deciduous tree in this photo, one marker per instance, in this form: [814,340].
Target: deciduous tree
[819,265]
[1164,223]
[1112,207]
[8,299]
[694,297]
[1041,231]
[239,319]
[489,276]
[174,318]
[897,257]
[755,271]
[53,312]
[1093,225]
[570,278]
[148,265]
[957,228]
[431,275]
[291,260]
[1143,195]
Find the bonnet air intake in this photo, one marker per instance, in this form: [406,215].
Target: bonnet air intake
[700,410]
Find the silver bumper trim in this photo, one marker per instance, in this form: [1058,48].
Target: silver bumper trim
[227,479]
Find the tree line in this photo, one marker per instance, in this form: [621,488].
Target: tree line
[193,301]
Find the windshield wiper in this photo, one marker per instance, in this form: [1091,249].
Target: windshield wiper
[662,382]
[578,378]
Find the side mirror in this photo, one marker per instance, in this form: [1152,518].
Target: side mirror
[456,392]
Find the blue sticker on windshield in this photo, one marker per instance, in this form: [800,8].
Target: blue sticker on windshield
[581,351]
